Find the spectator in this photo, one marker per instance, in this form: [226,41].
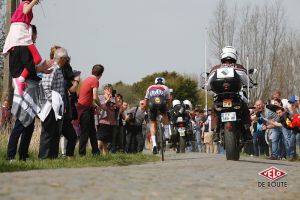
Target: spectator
[296,110]
[108,120]
[276,95]
[208,134]
[260,119]
[287,129]
[277,152]
[134,120]
[20,56]
[53,107]
[5,120]
[69,136]
[20,41]
[199,121]
[121,124]
[118,140]
[85,107]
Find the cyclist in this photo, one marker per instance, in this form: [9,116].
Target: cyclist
[157,100]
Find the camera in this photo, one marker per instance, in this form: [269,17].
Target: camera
[114,93]
[130,119]
[113,96]
[130,116]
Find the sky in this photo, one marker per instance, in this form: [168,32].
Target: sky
[133,38]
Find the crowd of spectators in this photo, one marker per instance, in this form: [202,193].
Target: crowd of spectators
[274,134]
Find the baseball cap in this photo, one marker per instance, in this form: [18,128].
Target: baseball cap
[293,99]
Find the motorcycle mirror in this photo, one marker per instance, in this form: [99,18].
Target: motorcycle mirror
[252,71]
[204,74]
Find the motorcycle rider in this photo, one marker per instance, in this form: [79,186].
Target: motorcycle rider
[229,58]
[188,105]
[157,100]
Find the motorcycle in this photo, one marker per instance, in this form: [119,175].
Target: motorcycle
[228,105]
[181,127]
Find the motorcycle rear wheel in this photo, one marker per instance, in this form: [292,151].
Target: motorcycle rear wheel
[231,142]
[182,142]
[161,140]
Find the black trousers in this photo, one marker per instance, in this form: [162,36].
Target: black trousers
[50,135]
[140,138]
[69,133]
[118,139]
[87,128]
[25,133]
[134,139]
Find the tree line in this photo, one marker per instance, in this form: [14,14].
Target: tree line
[183,86]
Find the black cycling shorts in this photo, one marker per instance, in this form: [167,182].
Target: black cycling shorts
[157,105]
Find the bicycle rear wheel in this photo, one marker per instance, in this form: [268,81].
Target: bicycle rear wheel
[161,138]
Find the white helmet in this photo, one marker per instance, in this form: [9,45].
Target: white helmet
[229,52]
[160,80]
[175,102]
[188,104]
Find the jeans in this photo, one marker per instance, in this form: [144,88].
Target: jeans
[276,139]
[198,139]
[259,143]
[298,143]
[289,141]
[25,133]
[221,149]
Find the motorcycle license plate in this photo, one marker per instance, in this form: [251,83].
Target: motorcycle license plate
[181,131]
[228,117]
[227,103]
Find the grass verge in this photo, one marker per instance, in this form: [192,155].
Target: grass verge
[33,163]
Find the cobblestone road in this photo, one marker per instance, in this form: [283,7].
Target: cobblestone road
[181,176]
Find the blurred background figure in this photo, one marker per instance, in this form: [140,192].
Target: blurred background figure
[5,117]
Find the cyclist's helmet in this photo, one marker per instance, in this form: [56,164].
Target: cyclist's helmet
[229,53]
[160,80]
[188,105]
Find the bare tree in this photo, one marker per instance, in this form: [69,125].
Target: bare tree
[2,38]
[260,34]
[217,31]
[276,39]
[2,29]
